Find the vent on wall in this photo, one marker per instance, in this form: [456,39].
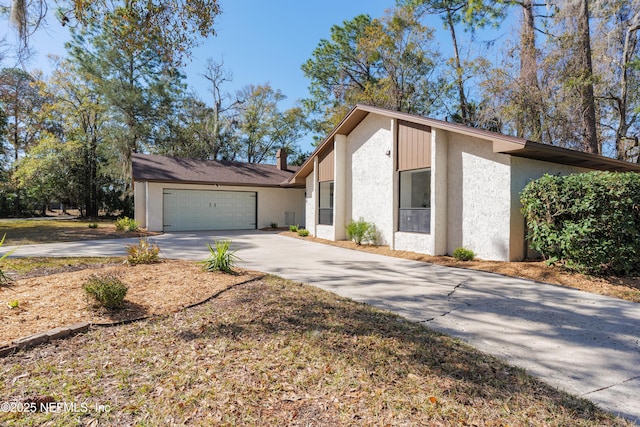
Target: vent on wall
[290,218]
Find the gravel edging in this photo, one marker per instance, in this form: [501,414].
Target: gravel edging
[81,327]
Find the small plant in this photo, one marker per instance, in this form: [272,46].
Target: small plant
[303,232]
[221,258]
[126,224]
[142,253]
[293,228]
[4,279]
[463,254]
[93,225]
[106,290]
[13,304]
[274,225]
[362,231]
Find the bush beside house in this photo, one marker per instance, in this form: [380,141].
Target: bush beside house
[589,221]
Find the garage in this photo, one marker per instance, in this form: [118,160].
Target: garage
[193,210]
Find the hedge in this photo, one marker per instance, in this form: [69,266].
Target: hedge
[589,221]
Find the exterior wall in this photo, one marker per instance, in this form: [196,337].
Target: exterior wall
[522,172]
[272,202]
[140,203]
[370,175]
[310,201]
[478,198]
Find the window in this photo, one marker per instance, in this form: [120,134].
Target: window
[415,201]
[325,214]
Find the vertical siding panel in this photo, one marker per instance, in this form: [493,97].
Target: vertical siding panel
[325,166]
[414,146]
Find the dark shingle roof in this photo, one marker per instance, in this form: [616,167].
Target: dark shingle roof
[151,167]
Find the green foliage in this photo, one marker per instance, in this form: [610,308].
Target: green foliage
[293,228]
[142,253]
[303,232]
[274,225]
[463,254]
[362,231]
[106,290]
[14,303]
[221,258]
[93,225]
[126,224]
[4,279]
[589,221]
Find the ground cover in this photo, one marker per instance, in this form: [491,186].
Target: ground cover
[50,294]
[48,230]
[274,352]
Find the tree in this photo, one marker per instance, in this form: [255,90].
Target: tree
[173,26]
[388,62]
[262,128]
[137,85]
[21,99]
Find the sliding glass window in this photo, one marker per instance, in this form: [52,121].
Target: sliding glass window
[415,201]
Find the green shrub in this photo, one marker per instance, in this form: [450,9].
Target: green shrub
[463,254]
[221,258]
[303,232]
[362,231]
[590,222]
[293,228]
[4,279]
[126,224]
[274,225]
[93,225]
[142,253]
[106,290]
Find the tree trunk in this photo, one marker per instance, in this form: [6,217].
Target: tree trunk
[464,108]
[585,85]
[630,42]
[530,121]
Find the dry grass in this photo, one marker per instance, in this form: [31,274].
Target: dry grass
[273,352]
[627,288]
[32,231]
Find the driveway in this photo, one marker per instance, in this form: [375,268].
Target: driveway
[586,344]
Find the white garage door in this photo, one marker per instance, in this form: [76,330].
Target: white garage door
[190,210]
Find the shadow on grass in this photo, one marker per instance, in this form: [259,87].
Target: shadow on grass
[386,345]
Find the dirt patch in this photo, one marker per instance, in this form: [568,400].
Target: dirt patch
[627,288]
[51,301]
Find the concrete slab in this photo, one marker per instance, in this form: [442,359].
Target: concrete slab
[585,344]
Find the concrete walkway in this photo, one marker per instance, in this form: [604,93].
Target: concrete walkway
[586,344]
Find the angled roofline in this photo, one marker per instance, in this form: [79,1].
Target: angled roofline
[504,144]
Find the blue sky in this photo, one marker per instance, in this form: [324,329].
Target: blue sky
[259,42]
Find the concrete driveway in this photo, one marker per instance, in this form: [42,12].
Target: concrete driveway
[586,344]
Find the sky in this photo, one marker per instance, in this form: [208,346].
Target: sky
[259,42]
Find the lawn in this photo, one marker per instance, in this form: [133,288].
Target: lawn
[274,352]
[30,231]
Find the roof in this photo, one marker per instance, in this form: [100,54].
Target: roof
[156,168]
[505,144]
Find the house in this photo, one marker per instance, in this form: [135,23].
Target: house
[429,186]
[172,194]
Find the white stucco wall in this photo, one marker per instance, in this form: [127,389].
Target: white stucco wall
[140,203]
[522,172]
[272,202]
[310,205]
[369,177]
[479,198]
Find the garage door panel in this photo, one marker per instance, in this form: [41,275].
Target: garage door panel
[191,210]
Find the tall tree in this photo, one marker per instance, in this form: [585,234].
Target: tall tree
[388,62]
[22,100]
[136,83]
[173,25]
[262,127]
